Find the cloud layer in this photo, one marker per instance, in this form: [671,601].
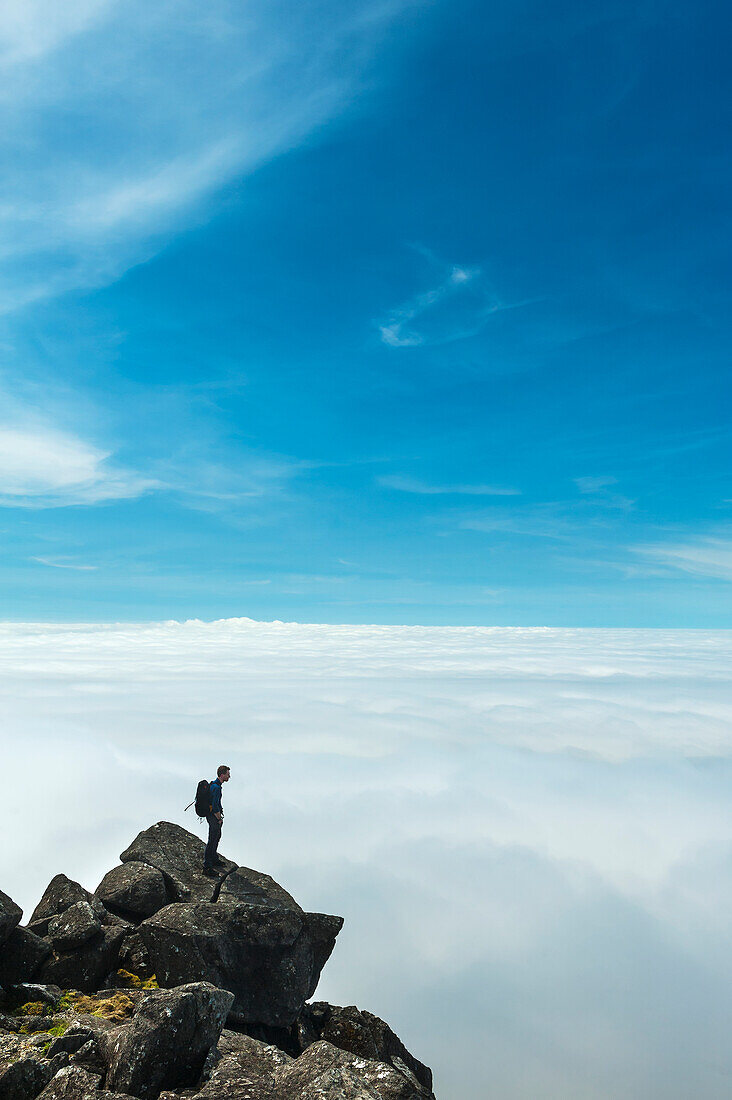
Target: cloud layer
[526,830]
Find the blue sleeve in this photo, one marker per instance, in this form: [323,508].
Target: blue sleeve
[215,798]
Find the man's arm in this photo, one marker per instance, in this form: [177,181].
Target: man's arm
[216,799]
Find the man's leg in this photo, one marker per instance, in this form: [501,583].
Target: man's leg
[214,835]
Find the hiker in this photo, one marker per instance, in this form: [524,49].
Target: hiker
[215,818]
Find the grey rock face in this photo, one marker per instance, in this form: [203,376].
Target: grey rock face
[244,884]
[86,967]
[21,957]
[60,894]
[244,1069]
[178,855]
[25,1078]
[75,1083]
[239,949]
[10,915]
[364,1034]
[269,957]
[325,1073]
[133,955]
[166,1043]
[133,889]
[73,927]
[32,991]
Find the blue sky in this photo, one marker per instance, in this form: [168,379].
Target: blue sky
[380,312]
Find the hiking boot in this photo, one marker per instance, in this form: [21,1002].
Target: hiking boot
[209,872]
[219,862]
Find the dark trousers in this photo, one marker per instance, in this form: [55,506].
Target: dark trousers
[214,836]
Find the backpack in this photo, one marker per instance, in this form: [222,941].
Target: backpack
[203,798]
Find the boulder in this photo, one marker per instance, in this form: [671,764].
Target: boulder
[87,967]
[133,956]
[31,991]
[269,957]
[10,915]
[325,1073]
[77,1035]
[244,1069]
[22,956]
[89,1057]
[364,1034]
[75,1083]
[133,889]
[178,855]
[73,927]
[24,1077]
[60,894]
[244,884]
[167,1041]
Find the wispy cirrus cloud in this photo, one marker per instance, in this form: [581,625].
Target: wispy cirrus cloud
[594,484]
[63,563]
[153,109]
[708,556]
[46,467]
[414,485]
[454,309]
[601,490]
[533,523]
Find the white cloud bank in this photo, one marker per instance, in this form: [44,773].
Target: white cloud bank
[528,831]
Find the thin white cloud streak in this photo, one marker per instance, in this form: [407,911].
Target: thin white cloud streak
[414,485]
[30,29]
[594,484]
[62,563]
[528,831]
[44,467]
[533,524]
[702,557]
[153,109]
[458,307]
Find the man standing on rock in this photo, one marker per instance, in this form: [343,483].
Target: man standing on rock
[215,818]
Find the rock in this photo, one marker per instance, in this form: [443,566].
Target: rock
[21,957]
[80,1041]
[364,1034]
[33,1024]
[31,991]
[166,1043]
[244,884]
[73,1039]
[134,957]
[244,1069]
[75,1083]
[270,958]
[87,967]
[325,1073]
[89,1057]
[25,1078]
[73,927]
[178,855]
[60,894]
[72,1083]
[133,889]
[10,915]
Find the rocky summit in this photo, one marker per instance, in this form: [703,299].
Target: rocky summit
[164,983]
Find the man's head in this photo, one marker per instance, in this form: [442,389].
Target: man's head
[223,773]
